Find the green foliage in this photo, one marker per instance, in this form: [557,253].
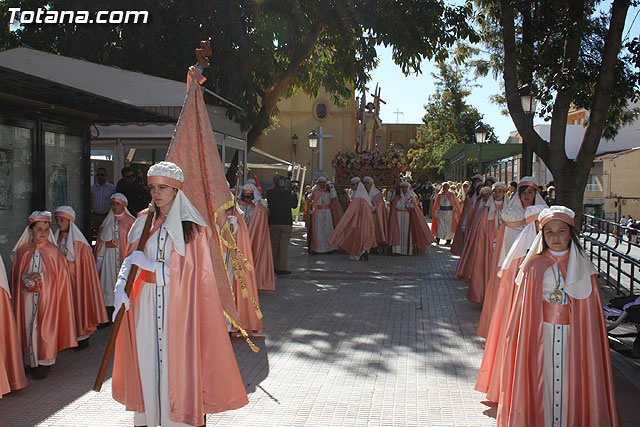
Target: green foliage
[262,50]
[448,120]
[543,27]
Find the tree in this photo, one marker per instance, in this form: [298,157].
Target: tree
[573,53]
[263,51]
[448,120]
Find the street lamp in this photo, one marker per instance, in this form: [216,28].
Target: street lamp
[294,139]
[481,136]
[313,144]
[528,101]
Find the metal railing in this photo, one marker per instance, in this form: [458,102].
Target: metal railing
[614,251]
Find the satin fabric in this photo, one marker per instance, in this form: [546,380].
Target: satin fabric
[476,222]
[481,262]
[56,319]
[355,233]
[380,219]
[247,316]
[203,372]
[591,390]
[420,234]
[261,249]
[457,246]
[11,369]
[453,201]
[87,293]
[489,375]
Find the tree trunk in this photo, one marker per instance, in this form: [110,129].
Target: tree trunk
[570,188]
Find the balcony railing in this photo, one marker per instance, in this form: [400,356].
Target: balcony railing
[614,251]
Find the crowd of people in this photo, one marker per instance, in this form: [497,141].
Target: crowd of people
[546,358]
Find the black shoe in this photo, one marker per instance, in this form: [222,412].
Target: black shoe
[282,272]
[448,242]
[40,372]
[82,345]
[29,369]
[364,256]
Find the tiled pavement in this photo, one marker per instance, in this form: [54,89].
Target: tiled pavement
[389,342]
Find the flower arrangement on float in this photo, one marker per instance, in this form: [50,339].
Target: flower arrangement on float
[385,167]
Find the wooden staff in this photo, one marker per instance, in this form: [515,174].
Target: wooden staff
[111,343]
[409,233]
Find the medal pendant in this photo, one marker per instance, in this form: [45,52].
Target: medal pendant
[556,297]
[161,259]
[115,241]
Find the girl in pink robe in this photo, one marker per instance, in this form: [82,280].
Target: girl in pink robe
[173,361]
[476,222]
[85,283]
[557,367]
[457,246]
[42,296]
[11,370]
[255,214]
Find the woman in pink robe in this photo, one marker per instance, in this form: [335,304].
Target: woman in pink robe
[255,214]
[557,367]
[173,361]
[356,233]
[454,205]
[11,369]
[457,246]
[379,212]
[403,237]
[42,296]
[476,222]
[85,283]
[485,243]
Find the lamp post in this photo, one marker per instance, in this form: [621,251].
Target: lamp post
[481,136]
[313,144]
[294,140]
[528,101]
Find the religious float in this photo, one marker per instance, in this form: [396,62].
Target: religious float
[385,167]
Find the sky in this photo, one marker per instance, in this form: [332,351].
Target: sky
[408,95]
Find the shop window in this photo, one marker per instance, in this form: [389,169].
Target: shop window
[64,177]
[16,185]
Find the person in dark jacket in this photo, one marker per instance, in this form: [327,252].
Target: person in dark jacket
[281,200]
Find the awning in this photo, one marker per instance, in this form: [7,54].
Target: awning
[488,152]
[259,159]
[25,89]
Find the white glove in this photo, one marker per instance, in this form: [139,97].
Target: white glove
[120,298]
[408,205]
[233,220]
[99,261]
[140,259]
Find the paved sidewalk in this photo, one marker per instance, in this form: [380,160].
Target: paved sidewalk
[389,342]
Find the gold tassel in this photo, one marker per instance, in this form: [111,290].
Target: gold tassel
[253,347]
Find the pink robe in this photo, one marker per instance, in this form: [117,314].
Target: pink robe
[248,308]
[56,319]
[453,201]
[336,215]
[261,249]
[476,222]
[381,220]
[203,372]
[590,378]
[457,246]
[355,233]
[491,366]
[420,234]
[87,292]
[124,225]
[481,262]
[11,369]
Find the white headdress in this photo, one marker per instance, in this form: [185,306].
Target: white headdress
[361,193]
[374,190]
[580,268]
[108,225]
[256,194]
[355,179]
[525,239]
[36,216]
[74,232]
[181,210]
